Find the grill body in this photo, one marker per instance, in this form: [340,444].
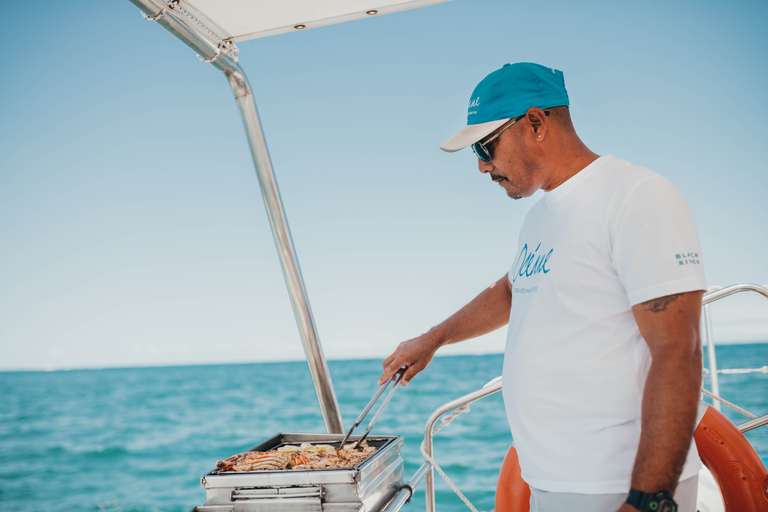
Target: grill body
[362,488]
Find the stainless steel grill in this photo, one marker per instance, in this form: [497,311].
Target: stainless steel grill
[362,488]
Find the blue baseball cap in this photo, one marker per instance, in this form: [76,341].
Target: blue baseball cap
[505,94]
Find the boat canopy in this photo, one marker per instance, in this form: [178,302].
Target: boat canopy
[249,19]
[233,21]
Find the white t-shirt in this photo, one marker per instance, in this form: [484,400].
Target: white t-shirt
[612,236]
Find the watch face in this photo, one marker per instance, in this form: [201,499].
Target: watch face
[666,506]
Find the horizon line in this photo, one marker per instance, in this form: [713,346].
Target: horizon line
[274,361]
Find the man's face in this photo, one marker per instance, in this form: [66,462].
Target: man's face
[512,166]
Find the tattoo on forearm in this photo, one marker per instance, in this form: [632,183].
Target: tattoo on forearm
[660,304]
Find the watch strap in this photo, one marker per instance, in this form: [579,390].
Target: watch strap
[651,502]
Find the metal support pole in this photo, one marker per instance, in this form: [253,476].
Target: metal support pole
[288,260]
[190,31]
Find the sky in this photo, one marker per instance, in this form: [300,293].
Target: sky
[132,229]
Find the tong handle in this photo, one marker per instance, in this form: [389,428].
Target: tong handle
[370,405]
[380,410]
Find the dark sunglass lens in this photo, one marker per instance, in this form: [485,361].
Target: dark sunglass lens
[481,152]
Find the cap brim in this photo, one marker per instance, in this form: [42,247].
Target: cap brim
[471,134]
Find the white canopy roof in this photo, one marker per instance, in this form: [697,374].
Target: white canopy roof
[249,19]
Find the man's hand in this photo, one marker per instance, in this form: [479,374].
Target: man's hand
[626,508]
[415,354]
[487,312]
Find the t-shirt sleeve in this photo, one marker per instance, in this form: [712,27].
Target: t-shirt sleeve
[656,248]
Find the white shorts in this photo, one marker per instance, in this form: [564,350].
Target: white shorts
[544,501]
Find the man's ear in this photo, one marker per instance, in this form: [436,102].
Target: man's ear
[537,118]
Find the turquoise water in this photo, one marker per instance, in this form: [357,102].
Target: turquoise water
[139,439]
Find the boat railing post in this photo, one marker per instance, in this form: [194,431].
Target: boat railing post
[713,377]
[490,388]
[429,481]
[716,293]
[288,260]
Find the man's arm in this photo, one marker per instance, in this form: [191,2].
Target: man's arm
[487,312]
[670,327]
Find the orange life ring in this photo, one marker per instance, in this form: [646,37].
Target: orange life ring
[512,493]
[738,470]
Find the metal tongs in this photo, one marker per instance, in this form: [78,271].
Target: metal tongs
[382,388]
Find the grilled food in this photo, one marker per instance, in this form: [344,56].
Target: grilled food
[305,456]
[254,461]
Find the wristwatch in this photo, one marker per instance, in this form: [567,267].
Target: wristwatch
[657,502]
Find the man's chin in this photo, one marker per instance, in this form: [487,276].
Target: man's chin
[515,192]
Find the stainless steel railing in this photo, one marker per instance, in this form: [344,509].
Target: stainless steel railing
[753,423]
[406,491]
[716,293]
[403,496]
[492,387]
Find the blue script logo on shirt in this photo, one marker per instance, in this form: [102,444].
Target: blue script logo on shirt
[531,264]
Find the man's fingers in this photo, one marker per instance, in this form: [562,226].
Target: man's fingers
[410,373]
[389,367]
[389,371]
[392,369]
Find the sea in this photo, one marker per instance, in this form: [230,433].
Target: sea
[139,439]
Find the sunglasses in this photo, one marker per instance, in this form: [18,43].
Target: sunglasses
[483,150]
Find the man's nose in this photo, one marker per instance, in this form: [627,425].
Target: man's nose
[484,167]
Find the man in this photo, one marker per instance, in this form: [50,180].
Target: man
[602,367]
